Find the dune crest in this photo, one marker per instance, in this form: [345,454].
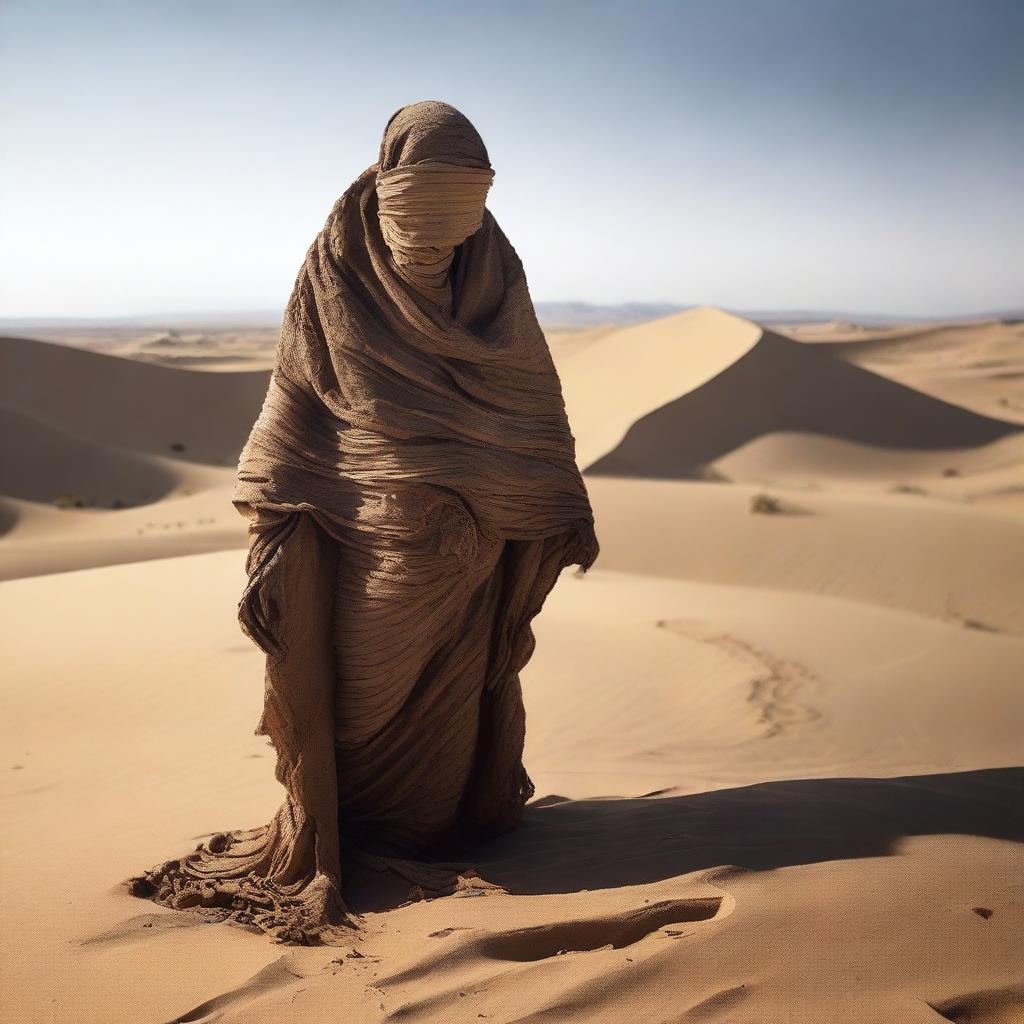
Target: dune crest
[160,410]
[706,383]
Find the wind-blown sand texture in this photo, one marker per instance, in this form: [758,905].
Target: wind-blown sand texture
[775,731]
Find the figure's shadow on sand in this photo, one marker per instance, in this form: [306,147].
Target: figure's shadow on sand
[565,846]
[590,844]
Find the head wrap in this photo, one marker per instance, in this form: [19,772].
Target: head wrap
[433,175]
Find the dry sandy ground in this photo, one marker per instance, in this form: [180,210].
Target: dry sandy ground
[776,732]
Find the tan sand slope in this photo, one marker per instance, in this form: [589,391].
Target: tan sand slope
[940,559]
[42,463]
[69,504]
[200,417]
[40,539]
[966,473]
[976,365]
[105,459]
[651,365]
[78,511]
[754,806]
[704,384]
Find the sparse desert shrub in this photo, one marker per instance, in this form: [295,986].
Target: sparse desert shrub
[177,446]
[765,505]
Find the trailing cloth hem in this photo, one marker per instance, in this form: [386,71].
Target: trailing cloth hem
[412,496]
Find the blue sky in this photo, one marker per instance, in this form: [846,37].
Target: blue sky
[864,155]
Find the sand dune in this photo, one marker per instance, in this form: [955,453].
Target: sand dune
[71,503]
[106,459]
[976,365]
[200,417]
[734,383]
[42,463]
[651,365]
[775,732]
[40,540]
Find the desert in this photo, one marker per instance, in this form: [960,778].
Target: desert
[775,730]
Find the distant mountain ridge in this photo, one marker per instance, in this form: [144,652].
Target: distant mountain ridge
[553,315]
[579,315]
[587,314]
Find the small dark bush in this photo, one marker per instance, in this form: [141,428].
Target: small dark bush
[765,504]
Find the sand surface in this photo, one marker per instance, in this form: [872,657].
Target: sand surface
[776,732]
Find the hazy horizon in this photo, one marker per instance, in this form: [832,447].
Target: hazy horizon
[795,155]
[546,310]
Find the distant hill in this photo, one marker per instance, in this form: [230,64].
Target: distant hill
[552,315]
[234,318]
[578,315]
[575,315]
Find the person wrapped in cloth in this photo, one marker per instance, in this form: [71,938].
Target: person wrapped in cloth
[413,495]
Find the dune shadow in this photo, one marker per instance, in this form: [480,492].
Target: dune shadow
[189,415]
[8,517]
[781,385]
[570,845]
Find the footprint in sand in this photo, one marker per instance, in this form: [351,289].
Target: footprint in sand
[547,941]
[616,930]
[541,942]
[776,687]
[990,1006]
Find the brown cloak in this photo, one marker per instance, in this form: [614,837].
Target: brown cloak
[413,495]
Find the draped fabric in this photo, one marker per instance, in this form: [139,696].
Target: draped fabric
[412,494]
